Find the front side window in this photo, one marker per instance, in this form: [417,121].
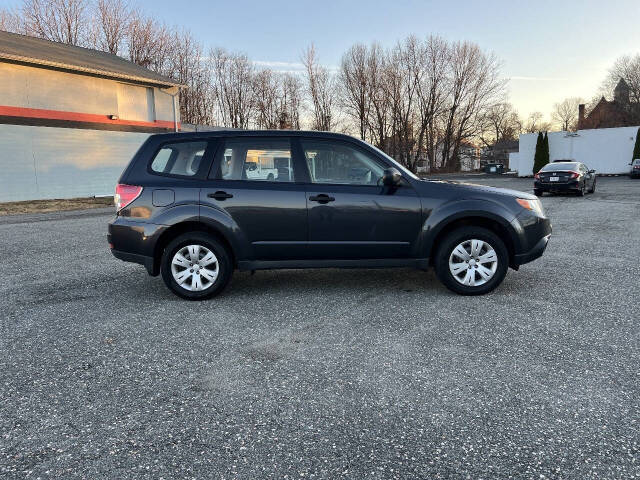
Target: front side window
[338,163]
[261,160]
[183,158]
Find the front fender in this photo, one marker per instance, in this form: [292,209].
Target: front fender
[454,210]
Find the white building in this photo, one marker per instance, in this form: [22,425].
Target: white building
[71,118]
[607,150]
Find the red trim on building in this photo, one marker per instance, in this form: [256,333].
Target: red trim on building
[84,118]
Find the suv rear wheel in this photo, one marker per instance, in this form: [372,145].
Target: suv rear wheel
[196,266]
[471,261]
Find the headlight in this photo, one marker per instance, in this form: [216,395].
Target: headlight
[533,205]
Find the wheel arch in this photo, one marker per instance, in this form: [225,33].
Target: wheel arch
[501,228]
[189,226]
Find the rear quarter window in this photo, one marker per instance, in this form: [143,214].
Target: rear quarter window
[180,159]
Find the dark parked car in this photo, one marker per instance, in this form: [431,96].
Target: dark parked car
[635,168]
[564,176]
[186,209]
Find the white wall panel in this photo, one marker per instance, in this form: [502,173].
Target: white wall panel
[135,103]
[40,88]
[607,150]
[44,162]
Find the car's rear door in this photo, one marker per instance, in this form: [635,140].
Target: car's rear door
[351,216]
[270,211]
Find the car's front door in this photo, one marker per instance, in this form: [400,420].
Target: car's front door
[589,177]
[350,215]
[253,180]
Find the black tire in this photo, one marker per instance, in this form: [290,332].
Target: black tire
[225,265]
[270,177]
[593,187]
[451,241]
[537,192]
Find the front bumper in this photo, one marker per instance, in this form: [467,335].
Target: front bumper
[535,252]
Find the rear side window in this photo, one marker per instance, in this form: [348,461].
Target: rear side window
[183,158]
[258,160]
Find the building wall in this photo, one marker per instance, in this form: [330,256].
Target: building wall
[45,162]
[56,137]
[607,150]
[40,88]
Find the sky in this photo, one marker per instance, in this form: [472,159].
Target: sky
[549,50]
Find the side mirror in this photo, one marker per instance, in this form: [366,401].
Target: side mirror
[592,171]
[391,177]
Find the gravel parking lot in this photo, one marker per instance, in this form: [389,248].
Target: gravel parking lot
[324,373]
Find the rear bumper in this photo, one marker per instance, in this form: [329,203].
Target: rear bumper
[556,187]
[134,241]
[536,252]
[135,258]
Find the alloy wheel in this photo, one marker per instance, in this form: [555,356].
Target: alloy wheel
[473,262]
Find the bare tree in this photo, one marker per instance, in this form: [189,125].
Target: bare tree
[292,95]
[500,122]
[626,67]
[379,121]
[321,90]
[10,21]
[475,86]
[147,42]
[185,63]
[565,113]
[110,25]
[277,100]
[233,83]
[267,99]
[535,123]
[354,84]
[432,95]
[62,21]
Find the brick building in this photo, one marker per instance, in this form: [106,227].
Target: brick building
[620,112]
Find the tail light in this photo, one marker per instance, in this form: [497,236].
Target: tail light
[125,194]
[574,175]
[537,176]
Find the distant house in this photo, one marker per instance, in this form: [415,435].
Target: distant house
[620,112]
[499,152]
[72,117]
[468,158]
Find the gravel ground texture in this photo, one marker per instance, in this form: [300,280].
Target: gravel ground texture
[355,374]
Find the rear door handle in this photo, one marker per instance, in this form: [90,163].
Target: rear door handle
[322,198]
[220,195]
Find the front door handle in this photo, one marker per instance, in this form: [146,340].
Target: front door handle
[220,195]
[322,198]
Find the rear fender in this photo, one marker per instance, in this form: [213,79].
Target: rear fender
[221,222]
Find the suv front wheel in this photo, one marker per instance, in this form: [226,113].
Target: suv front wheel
[196,266]
[471,261]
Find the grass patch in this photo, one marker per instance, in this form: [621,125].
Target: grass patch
[55,205]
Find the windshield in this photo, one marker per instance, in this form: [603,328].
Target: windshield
[395,164]
[560,167]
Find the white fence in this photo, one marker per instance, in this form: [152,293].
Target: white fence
[607,150]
